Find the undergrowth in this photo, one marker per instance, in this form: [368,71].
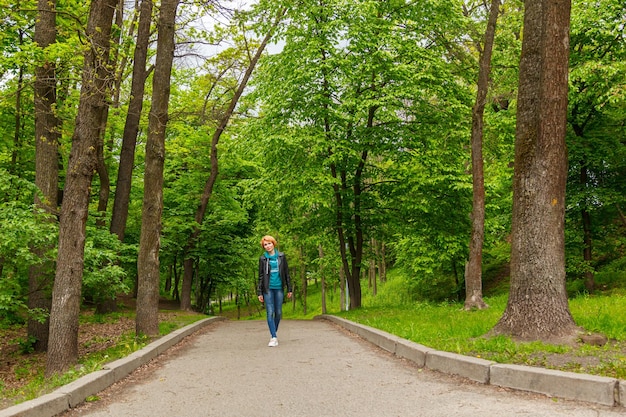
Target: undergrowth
[31,367]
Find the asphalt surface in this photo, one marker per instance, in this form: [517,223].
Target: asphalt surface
[318,369]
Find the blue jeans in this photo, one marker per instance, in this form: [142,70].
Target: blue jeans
[274,308]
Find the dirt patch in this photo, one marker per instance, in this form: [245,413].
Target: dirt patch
[17,369]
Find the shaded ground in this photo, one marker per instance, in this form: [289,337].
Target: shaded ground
[17,369]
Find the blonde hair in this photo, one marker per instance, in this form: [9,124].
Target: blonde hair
[268,238]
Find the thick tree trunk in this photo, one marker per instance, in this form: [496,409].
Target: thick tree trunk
[66,297]
[473,269]
[537,308]
[41,277]
[131,126]
[147,321]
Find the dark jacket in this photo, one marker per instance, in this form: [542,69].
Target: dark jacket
[264,274]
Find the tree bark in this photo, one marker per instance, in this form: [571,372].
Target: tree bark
[66,296]
[102,167]
[109,304]
[131,126]
[41,277]
[147,321]
[103,173]
[17,133]
[589,275]
[473,269]
[322,270]
[185,300]
[382,262]
[342,288]
[537,308]
[372,267]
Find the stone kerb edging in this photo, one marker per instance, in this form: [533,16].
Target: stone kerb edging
[568,385]
[76,392]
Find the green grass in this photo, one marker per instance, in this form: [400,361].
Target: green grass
[447,327]
[38,384]
[604,314]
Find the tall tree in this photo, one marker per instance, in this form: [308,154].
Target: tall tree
[47,133]
[147,321]
[537,308]
[343,113]
[595,149]
[66,295]
[473,268]
[131,127]
[185,299]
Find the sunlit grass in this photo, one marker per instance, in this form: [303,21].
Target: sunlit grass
[602,314]
[448,327]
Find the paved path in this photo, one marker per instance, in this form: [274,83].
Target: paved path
[317,370]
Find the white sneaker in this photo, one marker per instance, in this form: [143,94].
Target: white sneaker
[273,342]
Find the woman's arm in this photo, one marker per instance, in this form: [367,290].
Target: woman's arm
[259,286]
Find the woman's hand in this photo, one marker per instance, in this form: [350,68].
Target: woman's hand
[288,295]
[260,298]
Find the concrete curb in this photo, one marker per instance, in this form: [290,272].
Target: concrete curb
[76,392]
[567,385]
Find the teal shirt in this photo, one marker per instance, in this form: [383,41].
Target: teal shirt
[275,282]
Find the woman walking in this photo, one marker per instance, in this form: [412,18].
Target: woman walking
[273,279]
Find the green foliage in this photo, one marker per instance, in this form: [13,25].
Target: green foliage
[39,315]
[602,314]
[596,188]
[612,276]
[395,291]
[103,276]
[609,279]
[386,84]
[374,123]
[11,302]
[27,344]
[21,228]
[447,327]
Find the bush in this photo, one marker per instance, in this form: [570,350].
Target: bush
[103,277]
